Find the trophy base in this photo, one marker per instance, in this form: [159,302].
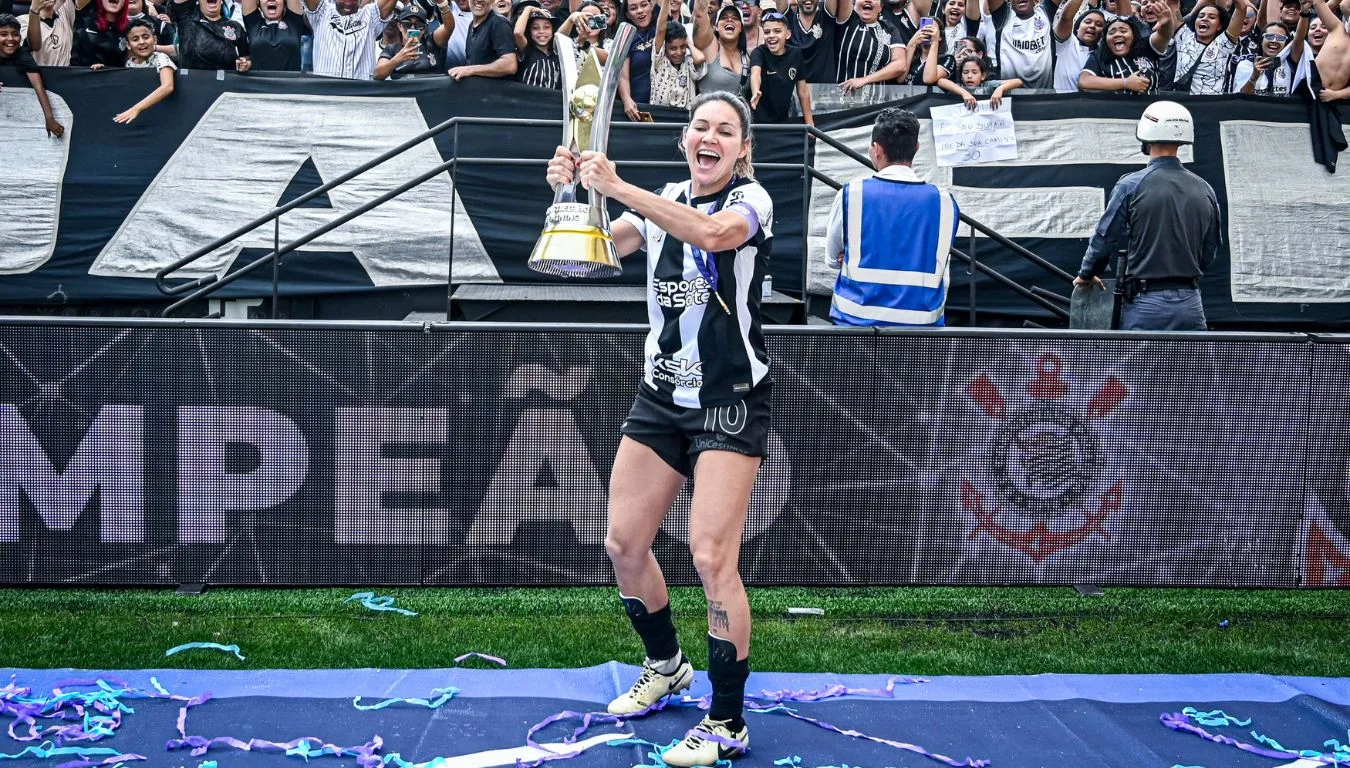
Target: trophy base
[576,251]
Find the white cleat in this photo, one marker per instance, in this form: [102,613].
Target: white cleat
[698,749]
[652,686]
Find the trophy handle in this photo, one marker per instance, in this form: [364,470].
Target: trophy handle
[604,108]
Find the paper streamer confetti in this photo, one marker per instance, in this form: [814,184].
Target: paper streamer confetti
[49,750]
[441,695]
[208,646]
[381,603]
[483,656]
[1181,721]
[79,715]
[752,705]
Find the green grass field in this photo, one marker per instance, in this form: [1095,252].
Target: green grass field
[923,631]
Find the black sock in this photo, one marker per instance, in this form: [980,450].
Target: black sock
[727,676]
[657,630]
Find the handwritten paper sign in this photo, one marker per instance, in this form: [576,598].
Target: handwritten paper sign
[963,137]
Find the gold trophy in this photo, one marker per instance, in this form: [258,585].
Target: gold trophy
[576,241]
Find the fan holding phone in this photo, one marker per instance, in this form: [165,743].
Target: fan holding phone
[419,53]
[1271,71]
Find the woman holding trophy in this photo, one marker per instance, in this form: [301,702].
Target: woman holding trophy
[702,408]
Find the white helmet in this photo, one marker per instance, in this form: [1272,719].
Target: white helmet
[1166,122]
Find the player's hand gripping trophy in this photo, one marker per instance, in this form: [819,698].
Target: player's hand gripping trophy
[576,241]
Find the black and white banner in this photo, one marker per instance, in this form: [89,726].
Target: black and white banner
[167,452]
[98,213]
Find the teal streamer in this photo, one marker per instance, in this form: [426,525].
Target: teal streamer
[49,749]
[381,603]
[442,695]
[1338,755]
[1215,718]
[210,646]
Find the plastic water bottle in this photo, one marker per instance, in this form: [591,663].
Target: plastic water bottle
[767,292]
[306,53]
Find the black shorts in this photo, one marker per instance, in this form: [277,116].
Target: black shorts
[679,434]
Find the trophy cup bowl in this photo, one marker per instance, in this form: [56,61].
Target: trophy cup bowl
[576,240]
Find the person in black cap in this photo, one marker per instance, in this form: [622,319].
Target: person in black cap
[420,51]
[539,65]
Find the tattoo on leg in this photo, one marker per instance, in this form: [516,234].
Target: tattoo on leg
[717,617]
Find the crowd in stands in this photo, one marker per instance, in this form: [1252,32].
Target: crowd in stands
[768,50]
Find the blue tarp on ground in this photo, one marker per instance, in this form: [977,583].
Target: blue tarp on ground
[1013,721]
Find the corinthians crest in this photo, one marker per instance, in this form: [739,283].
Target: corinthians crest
[1043,491]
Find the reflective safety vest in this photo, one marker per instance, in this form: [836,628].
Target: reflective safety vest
[897,242]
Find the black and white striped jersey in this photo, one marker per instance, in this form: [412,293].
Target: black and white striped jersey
[540,69]
[698,354]
[863,48]
[345,46]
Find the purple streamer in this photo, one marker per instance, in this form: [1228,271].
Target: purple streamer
[114,760]
[1179,722]
[483,656]
[828,692]
[364,754]
[776,698]
[84,715]
[587,719]
[969,762]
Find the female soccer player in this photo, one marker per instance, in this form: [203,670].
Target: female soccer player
[702,409]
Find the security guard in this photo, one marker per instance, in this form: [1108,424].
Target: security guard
[891,235]
[1167,219]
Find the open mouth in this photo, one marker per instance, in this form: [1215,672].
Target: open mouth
[706,159]
[730,28]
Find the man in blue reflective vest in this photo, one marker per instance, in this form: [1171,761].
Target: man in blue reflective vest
[891,235]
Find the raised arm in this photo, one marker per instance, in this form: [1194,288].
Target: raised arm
[1064,24]
[311,6]
[1300,36]
[447,26]
[1234,30]
[1328,18]
[704,40]
[973,10]
[522,26]
[662,18]
[842,10]
[387,8]
[1163,28]
[35,17]
[931,76]
[1263,14]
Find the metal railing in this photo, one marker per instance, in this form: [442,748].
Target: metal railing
[202,287]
